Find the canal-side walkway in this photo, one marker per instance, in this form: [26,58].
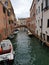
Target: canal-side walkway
[29,51]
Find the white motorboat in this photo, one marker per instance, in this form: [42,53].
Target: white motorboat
[6,50]
[29,33]
[15,32]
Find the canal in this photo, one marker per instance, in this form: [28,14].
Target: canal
[29,51]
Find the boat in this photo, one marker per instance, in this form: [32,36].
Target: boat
[15,32]
[6,50]
[11,36]
[29,33]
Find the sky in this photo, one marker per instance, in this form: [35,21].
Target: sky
[21,8]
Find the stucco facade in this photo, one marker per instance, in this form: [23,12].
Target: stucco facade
[46,20]
[7,19]
[38,17]
[2,22]
[42,19]
[33,16]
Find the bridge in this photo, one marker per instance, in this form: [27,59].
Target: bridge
[19,26]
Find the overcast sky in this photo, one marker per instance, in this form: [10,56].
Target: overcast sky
[21,7]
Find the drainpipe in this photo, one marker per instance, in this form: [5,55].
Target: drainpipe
[6,23]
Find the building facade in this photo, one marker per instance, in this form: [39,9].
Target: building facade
[39,17]
[33,16]
[7,19]
[46,20]
[42,19]
[28,22]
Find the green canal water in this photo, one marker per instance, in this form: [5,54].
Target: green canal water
[29,50]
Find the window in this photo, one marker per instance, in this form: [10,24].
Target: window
[48,38]
[36,11]
[12,22]
[46,3]
[48,23]
[42,7]
[38,22]
[37,32]
[39,9]
[8,13]
[4,9]
[44,36]
[9,21]
[41,35]
[41,23]
[6,3]
[38,0]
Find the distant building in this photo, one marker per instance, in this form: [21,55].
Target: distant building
[22,21]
